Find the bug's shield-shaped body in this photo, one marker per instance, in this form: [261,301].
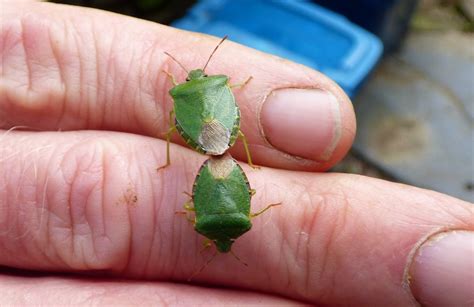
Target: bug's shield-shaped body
[221,196]
[206,113]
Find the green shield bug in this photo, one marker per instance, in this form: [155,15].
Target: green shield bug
[205,112]
[221,197]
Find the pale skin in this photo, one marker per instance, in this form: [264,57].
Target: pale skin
[82,99]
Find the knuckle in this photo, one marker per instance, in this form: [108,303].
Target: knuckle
[71,207]
[314,233]
[80,214]
[82,234]
[31,67]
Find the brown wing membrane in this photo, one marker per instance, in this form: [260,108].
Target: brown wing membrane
[214,138]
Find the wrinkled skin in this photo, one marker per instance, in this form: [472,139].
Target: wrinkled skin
[82,102]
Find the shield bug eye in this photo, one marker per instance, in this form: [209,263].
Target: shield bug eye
[187,79]
[205,75]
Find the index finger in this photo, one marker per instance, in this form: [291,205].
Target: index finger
[72,68]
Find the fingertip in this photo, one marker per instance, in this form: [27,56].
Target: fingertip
[444,264]
[311,123]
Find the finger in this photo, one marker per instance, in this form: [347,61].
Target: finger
[91,201]
[71,68]
[23,291]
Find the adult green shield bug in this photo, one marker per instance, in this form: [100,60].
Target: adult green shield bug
[221,197]
[205,112]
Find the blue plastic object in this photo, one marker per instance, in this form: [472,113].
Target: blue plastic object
[297,30]
[388,19]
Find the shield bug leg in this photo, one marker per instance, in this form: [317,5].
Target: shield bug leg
[253,192]
[187,208]
[190,219]
[252,215]
[187,205]
[168,140]
[171,77]
[241,85]
[168,134]
[247,151]
[206,243]
[188,194]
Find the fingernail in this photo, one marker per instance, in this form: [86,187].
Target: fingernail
[442,272]
[302,122]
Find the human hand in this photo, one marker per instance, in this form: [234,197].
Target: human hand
[79,191]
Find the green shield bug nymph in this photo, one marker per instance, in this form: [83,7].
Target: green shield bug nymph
[205,112]
[221,197]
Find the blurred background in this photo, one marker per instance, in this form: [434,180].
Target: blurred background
[408,65]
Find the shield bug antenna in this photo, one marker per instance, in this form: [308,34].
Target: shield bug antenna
[238,259]
[214,51]
[174,59]
[210,260]
[203,267]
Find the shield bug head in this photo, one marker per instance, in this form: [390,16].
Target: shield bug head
[197,73]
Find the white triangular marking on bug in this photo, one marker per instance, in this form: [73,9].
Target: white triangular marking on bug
[221,167]
[214,138]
